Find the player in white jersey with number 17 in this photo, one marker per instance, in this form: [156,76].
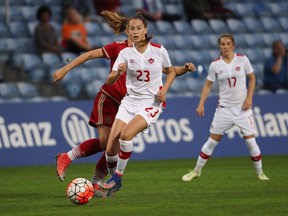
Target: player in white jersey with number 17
[143,104]
[235,102]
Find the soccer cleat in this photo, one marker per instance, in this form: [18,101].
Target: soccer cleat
[99,192]
[112,185]
[62,163]
[191,175]
[262,177]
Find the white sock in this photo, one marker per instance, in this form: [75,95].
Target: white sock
[206,152]
[255,154]
[126,148]
[72,154]
[111,163]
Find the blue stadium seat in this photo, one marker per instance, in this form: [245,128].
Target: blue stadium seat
[218,26]
[266,52]
[182,27]
[73,89]
[35,2]
[213,40]
[29,13]
[93,29]
[152,29]
[167,42]
[165,27]
[93,87]
[31,27]
[13,2]
[213,54]
[87,74]
[178,86]
[254,40]
[253,24]
[68,57]
[240,40]
[27,90]
[199,57]
[200,41]
[51,59]
[278,8]
[200,27]
[106,29]
[128,10]
[271,24]
[269,38]
[261,9]
[174,9]
[18,29]
[284,23]
[244,9]
[284,38]
[4,31]
[259,73]
[16,14]
[8,90]
[255,55]
[183,42]
[236,26]
[34,66]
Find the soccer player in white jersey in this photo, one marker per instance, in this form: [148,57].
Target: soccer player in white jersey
[143,104]
[235,102]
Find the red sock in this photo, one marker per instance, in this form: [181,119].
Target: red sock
[87,148]
[100,170]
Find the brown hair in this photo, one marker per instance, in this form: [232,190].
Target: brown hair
[226,35]
[120,23]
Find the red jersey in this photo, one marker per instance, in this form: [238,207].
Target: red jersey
[118,90]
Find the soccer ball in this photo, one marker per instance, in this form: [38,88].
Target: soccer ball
[80,191]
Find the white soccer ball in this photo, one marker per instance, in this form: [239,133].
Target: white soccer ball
[80,191]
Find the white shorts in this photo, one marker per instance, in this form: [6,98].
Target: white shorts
[149,109]
[226,118]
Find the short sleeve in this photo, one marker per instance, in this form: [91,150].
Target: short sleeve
[120,59]
[247,66]
[165,59]
[110,50]
[211,73]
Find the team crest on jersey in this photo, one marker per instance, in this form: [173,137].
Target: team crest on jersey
[132,61]
[150,61]
[237,68]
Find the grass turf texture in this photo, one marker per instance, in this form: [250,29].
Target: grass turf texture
[227,186]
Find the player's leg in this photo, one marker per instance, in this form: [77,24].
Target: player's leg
[247,126]
[221,122]
[136,125]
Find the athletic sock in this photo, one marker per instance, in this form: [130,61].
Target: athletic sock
[126,148]
[111,163]
[255,154]
[100,171]
[206,152]
[86,148]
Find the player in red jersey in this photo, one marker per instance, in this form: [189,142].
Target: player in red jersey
[105,105]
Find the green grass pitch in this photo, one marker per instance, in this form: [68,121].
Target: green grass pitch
[227,186]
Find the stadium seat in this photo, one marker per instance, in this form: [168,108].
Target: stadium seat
[127,10]
[8,90]
[106,29]
[213,40]
[183,42]
[236,26]
[266,52]
[27,90]
[253,24]
[87,74]
[13,2]
[284,38]
[152,29]
[200,41]
[218,26]
[167,42]
[254,40]
[93,87]
[174,9]
[284,23]
[35,2]
[244,9]
[259,73]
[93,29]
[269,38]
[271,24]
[29,13]
[31,27]
[261,9]
[18,29]
[4,31]
[16,14]
[282,91]
[57,98]
[213,54]
[52,60]
[200,26]
[178,86]
[37,99]
[68,57]
[73,89]
[255,55]
[34,66]
[165,27]
[278,8]
[182,27]
[240,40]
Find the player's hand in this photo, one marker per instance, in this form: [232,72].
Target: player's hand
[58,75]
[121,68]
[247,104]
[200,110]
[190,67]
[161,96]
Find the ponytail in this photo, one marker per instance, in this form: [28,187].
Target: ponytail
[115,21]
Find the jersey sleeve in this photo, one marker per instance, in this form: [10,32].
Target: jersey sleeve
[110,50]
[211,73]
[247,66]
[120,59]
[165,59]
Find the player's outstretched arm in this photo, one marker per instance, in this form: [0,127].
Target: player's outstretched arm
[59,74]
[181,70]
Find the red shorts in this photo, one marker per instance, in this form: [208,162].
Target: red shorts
[104,111]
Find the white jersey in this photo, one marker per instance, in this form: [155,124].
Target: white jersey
[231,79]
[144,70]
